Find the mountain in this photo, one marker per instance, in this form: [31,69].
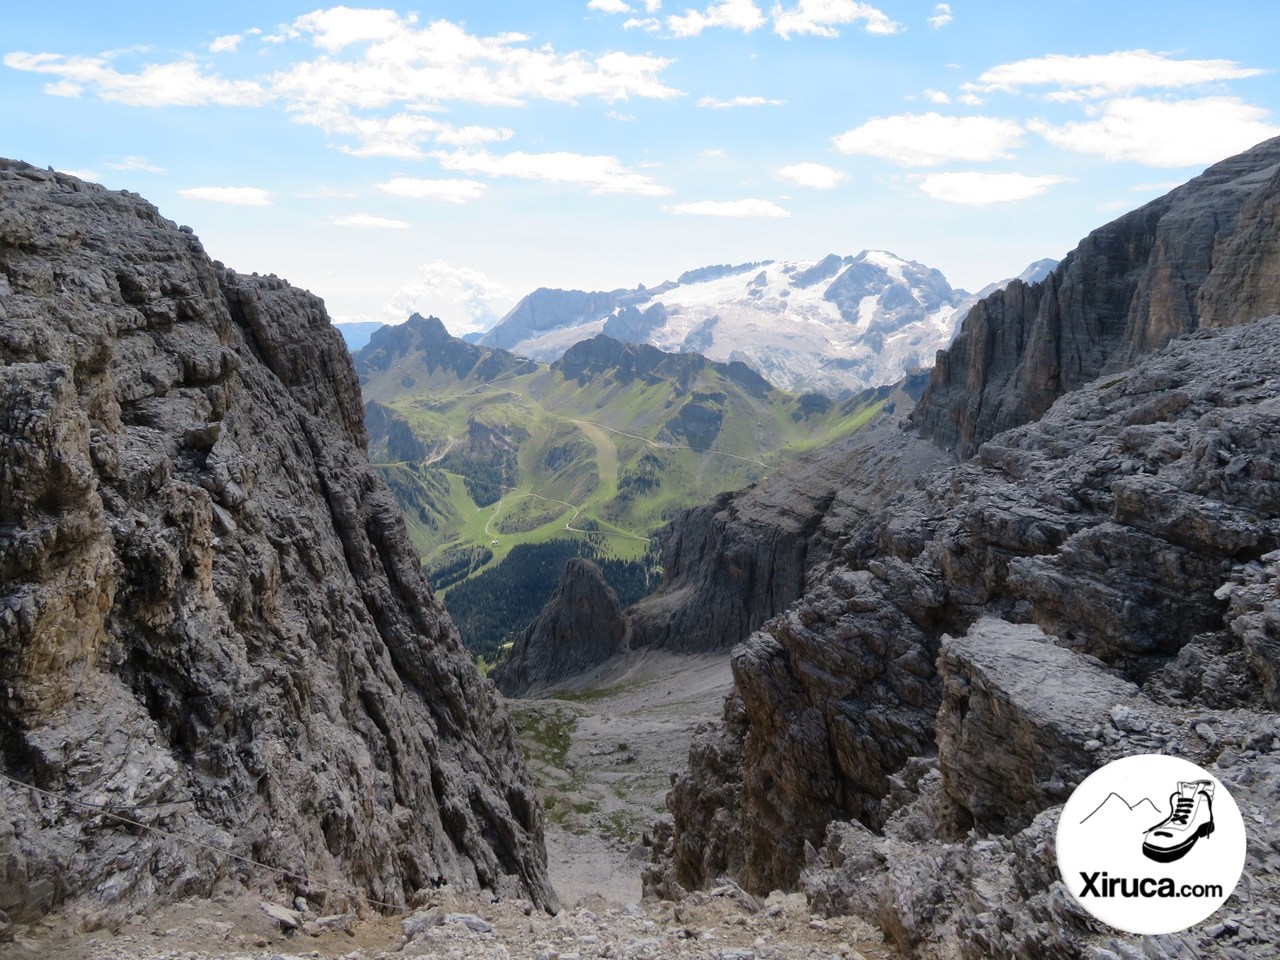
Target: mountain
[834,325]
[1203,255]
[213,624]
[1094,582]
[488,452]
[357,334]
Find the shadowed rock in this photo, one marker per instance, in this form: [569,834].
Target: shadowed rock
[211,619]
[581,626]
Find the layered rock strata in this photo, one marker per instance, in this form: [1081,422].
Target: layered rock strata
[1203,255]
[581,627]
[1110,576]
[211,620]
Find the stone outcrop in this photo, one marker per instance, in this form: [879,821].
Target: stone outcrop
[581,627]
[741,558]
[1100,582]
[211,620]
[1204,255]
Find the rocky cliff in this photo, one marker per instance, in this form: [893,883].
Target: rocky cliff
[734,562]
[1204,255]
[211,620]
[581,626]
[1100,582]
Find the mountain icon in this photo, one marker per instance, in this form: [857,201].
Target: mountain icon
[1117,808]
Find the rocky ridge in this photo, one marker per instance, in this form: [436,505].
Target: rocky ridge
[1203,255]
[581,626]
[1126,545]
[212,622]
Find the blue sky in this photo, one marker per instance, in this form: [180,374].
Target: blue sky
[451,157]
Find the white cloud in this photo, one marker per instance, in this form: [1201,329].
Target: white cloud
[978,189]
[621,117]
[83,174]
[936,96]
[926,140]
[941,16]
[1109,74]
[237,196]
[821,17]
[732,14]
[971,99]
[713,153]
[813,175]
[448,191]
[373,77]
[225,44]
[603,174]
[447,292]
[647,24]
[402,135]
[652,6]
[1164,133]
[368,220]
[730,208]
[609,6]
[157,85]
[716,104]
[136,163]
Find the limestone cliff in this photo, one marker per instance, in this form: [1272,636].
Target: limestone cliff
[211,621]
[581,627]
[1100,582]
[734,562]
[1203,255]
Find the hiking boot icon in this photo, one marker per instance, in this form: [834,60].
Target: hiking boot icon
[1190,818]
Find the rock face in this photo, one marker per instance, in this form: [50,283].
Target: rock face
[211,620]
[1101,582]
[734,562]
[1204,255]
[581,626]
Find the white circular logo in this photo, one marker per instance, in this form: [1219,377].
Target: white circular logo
[1151,844]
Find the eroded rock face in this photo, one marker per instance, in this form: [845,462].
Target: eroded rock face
[1119,559]
[581,627]
[212,621]
[1205,254]
[741,558]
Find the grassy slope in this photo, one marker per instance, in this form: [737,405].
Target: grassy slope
[598,455]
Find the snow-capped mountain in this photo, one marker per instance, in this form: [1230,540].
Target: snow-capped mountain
[832,325]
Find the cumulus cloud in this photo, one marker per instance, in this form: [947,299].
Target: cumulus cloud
[156,85]
[1108,74]
[1164,133]
[975,188]
[716,104]
[367,220]
[447,191]
[813,175]
[732,14]
[647,24]
[941,16]
[601,174]
[730,208]
[465,300]
[936,96]
[821,17]
[929,139]
[372,77]
[237,196]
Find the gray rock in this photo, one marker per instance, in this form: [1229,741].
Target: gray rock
[1200,256]
[274,679]
[581,626]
